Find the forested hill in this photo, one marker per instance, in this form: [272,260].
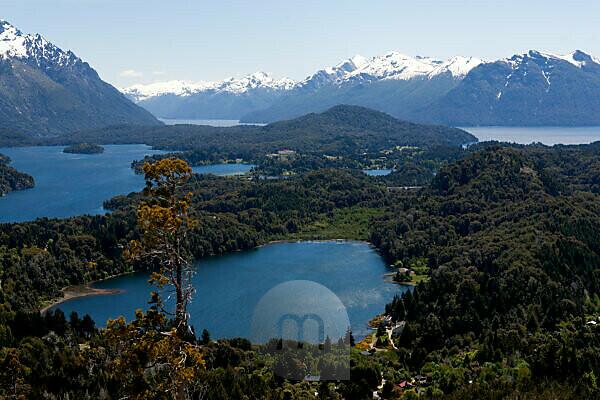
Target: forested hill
[337,131]
[512,246]
[11,179]
[368,128]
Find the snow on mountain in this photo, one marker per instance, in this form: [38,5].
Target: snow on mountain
[258,80]
[395,65]
[458,67]
[15,44]
[392,65]
[577,58]
[48,91]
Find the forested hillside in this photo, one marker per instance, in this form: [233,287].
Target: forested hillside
[341,130]
[512,246]
[11,179]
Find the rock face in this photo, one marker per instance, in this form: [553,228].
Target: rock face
[45,90]
[530,89]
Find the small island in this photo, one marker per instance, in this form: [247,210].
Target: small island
[84,148]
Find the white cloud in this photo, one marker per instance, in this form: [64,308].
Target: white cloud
[158,72]
[131,73]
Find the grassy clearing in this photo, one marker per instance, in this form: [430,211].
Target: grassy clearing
[347,223]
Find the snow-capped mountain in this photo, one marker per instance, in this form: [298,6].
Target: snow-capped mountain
[234,98]
[16,45]
[47,90]
[534,88]
[394,83]
[258,80]
[527,89]
[391,66]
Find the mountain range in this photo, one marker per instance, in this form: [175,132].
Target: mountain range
[45,90]
[530,89]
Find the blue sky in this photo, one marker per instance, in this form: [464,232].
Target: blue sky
[131,41]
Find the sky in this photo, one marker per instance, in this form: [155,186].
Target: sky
[143,41]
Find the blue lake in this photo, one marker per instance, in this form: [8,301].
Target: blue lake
[74,184]
[546,135]
[70,184]
[224,169]
[229,287]
[378,172]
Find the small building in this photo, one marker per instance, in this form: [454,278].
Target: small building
[312,378]
[403,385]
[282,154]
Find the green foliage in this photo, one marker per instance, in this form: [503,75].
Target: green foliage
[506,236]
[11,179]
[513,263]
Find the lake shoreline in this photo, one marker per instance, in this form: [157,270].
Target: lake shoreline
[83,290]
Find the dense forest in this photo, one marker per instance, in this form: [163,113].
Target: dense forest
[510,238]
[506,235]
[11,179]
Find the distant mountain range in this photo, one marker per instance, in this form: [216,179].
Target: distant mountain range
[45,90]
[531,89]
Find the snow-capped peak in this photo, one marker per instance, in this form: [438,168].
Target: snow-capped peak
[391,66]
[457,66]
[394,65]
[257,80]
[253,81]
[352,64]
[577,58]
[12,41]
[15,44]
